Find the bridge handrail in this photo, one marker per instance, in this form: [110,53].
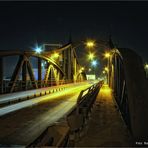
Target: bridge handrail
[87,92]
[64,138]
[82,98]
[21,85]
[79,115]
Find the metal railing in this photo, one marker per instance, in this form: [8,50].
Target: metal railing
[20,85]
[78,117]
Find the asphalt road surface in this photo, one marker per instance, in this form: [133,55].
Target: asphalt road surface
[25,124]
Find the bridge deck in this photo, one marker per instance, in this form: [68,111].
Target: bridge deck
[22,127]
[106,128]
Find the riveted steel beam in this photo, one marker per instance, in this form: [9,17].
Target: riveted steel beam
[15,74]
[30,71]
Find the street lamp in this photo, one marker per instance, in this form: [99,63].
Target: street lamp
[90,44]
[103,72]
[38,50]
[82,68]
[94,63]
[107,56]
[55,55]
[91,56]
[89,69]
[106,69]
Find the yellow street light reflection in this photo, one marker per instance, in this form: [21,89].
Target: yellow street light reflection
[106,91]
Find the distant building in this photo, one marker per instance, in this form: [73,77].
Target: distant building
[91,77]
[35,71]
[49,47]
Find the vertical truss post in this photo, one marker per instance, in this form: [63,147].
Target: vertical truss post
[64,64]
[39,73]
[55,76]
[46,78]
[1,75]
[115,74]
[24,75]
[74,69]
[58,78]
[51,76]
[69,63]
[30,71]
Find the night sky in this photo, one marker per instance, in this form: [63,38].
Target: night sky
[22,24]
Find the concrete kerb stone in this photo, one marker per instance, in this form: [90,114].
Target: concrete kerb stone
[37,94]
[40,93]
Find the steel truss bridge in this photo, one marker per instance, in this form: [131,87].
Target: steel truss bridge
[64,69]
[126,76]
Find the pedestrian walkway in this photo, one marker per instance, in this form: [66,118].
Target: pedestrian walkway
[106,127]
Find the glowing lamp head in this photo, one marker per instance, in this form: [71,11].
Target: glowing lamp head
[89,69]
[80,71]
[38,49]
[104,72]
[90,56]
[94,63]
[107,55]
[146,66]
[90,44]
[106,69]
[55,55]
[82,68]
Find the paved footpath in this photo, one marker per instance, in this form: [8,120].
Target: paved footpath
[106,127]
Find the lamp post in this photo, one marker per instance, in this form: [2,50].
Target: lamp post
[107,56]
[91,56]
